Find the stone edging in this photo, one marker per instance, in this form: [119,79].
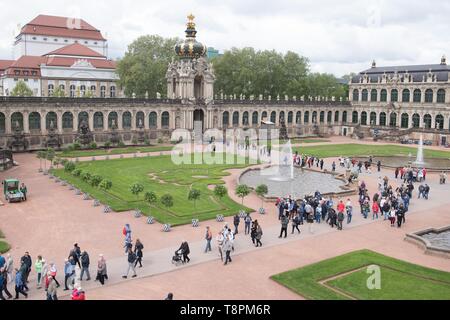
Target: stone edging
[417,239]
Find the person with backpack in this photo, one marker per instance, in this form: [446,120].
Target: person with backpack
[75,253]
[19,285]
[208,238]
[340,219]
[131,258]
[247,223]
[258,234]
[236,222]
[332,218]
[85,262]
[284,226]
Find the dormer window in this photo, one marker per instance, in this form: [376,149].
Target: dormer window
[25,73]
[86,42]
[56,40]
[66,40]
[33,73]
[34,38]
[45,39]
[17,72]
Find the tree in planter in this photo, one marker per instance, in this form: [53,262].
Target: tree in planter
[105,185]
[150,198]
[40,156]
[57,162]
[167,201]
[262,191]
[136,189]
[50,155]
[220,191]
[194,195]
[95,180]
[242,191]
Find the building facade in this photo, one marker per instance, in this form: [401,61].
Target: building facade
[60,53]
[391,102]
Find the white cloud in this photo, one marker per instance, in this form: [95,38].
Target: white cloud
[337,36]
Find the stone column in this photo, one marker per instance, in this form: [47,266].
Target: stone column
[133,119]
[59,122]
[105,120]
[120,121]
[8,123]
[146,120]
[26,124]
[91,120]
[75,121]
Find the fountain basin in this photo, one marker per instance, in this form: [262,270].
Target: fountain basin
[431,164]
[305,182]
[435,242]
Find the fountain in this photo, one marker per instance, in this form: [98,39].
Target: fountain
[434,241]
[284,164]
[420,160]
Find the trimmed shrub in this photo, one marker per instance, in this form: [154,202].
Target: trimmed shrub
[105,184]
[77,172]
[69,166]
[76,146]
[86,177]
[95,180]
[93,145]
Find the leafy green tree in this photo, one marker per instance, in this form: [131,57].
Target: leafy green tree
[105,185]
[194,195]
[220,191]
[242,191]
[167,201]
[21,90]
[144,66]
[50,155]
[59,93]
[150,197]
[136,189]
[261,191]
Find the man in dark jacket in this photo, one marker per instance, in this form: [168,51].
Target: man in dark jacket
[332,217]
[75,253]
[185,251]
[85,262]
[131,260]
[236,222]
[284,226]
[400,215]
[340,219]
[26,264]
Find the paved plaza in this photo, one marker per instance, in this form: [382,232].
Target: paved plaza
[54,218]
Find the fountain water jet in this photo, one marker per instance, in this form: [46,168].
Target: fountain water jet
[284,164]
[420,159]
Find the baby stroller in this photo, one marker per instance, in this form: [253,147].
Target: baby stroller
[177,259]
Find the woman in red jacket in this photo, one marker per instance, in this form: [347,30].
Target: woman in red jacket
[375,210]
[78,294]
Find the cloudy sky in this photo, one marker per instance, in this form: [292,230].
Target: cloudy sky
[338,36]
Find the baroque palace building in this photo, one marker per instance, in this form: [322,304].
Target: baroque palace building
[374,107]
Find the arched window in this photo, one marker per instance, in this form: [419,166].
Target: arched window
[34,121]
[374,95]
[393,119]
[112,91]
[314,117]
[282,117]
[165,119]
[126,120]
[355,95]
[62,87]
[72,89]
[364,118]
[306,117]
[93,90]
[113,119]
[365,95]
[416,120]
[382,119]
[102,91]
[226,119]
[440,96]
[245,118]
[330,117]
[255,119]
[383,95]
[264,115]
[429,96]
[405,121]
[16,120]
[394,95]
[51,119]
[153,120]
[2,123]
[373,118]
[427,121]
[298,117]
[235,119]
[82,91]
[290,119]
[344,117]
[322,117]
[406,95]
[140,119]
[51,89]
[439,122]
[67,121]
[417,95]
[273,117]
[355,117]
[98,121]
[83,117]
[336,117]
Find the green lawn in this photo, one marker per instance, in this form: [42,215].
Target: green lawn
[355,150]
[4,247]
[178,180]
[399,279]
[104,152]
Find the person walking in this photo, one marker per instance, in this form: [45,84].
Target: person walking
[27,261]
[38,269]
[349,209]
[75,253]
[138,247]
[23,271]
[284,226]
[169,296]
[340,219]
[258,234]
[236,222]
[247,223]
[375,210]
[295,224]
[4,284]
[24,190]
[69,271]
[19,285]
[310,221]
[185,251]
[52,288]
[400,215]
[9,267]
[208,238]
[131,258]
[227,246]
[392,215]
[85,262]
[101,270]
[219,240]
